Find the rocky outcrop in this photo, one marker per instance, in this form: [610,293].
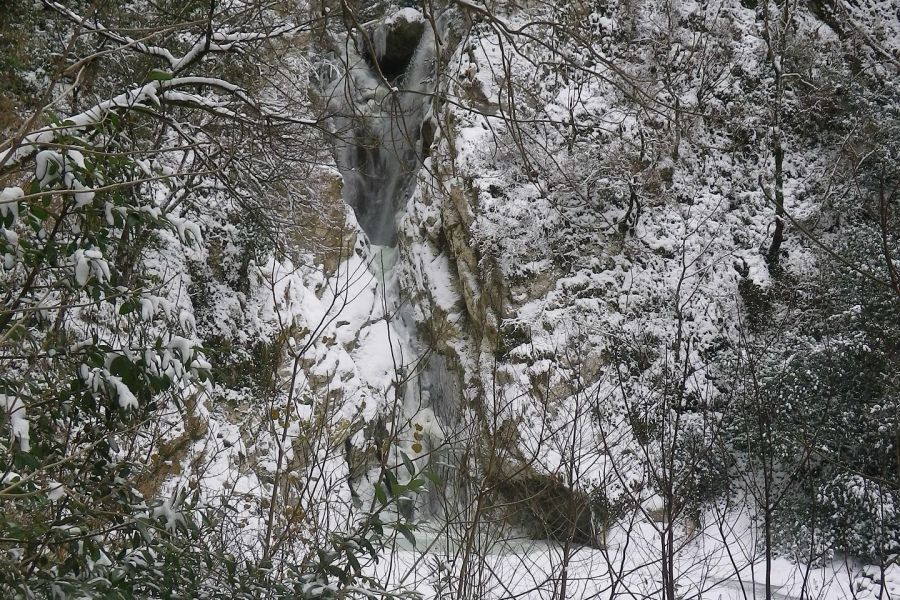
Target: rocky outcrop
[469,313]
[392,43]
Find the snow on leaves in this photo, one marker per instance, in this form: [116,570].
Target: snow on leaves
[14,411]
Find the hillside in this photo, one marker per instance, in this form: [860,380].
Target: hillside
[450,299]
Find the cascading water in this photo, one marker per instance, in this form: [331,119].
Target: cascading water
[379,121]
[381,102]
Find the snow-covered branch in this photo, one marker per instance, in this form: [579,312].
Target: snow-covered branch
[213,41]
[153,93]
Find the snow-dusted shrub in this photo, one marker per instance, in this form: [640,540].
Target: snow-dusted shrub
[862,516]
[104,381]
[816,411]
[95,348]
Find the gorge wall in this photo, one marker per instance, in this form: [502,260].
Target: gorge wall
[570,247]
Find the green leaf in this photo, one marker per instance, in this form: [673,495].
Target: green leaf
[377,529]
[353,562]
[114,120]
[407,533]
[158,75]
[379,494]
[26,460]
[408,463]
[121,367]
[393,485]
[39,212]
[51,253]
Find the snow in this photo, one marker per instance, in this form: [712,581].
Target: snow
[89,263]
[10,477]
[582,288]
[56,491]
[47,166]
[148,92]
[408,14]
[82,268]
[9,202]
[489,244]
[707,565]
[126,399]
[185,227]
[17,418]
[168,511]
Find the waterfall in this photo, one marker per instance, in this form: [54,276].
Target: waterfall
[381,98]
[380,106]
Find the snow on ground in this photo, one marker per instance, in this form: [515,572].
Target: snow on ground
[718,563]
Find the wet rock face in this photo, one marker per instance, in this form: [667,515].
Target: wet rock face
[394,42]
